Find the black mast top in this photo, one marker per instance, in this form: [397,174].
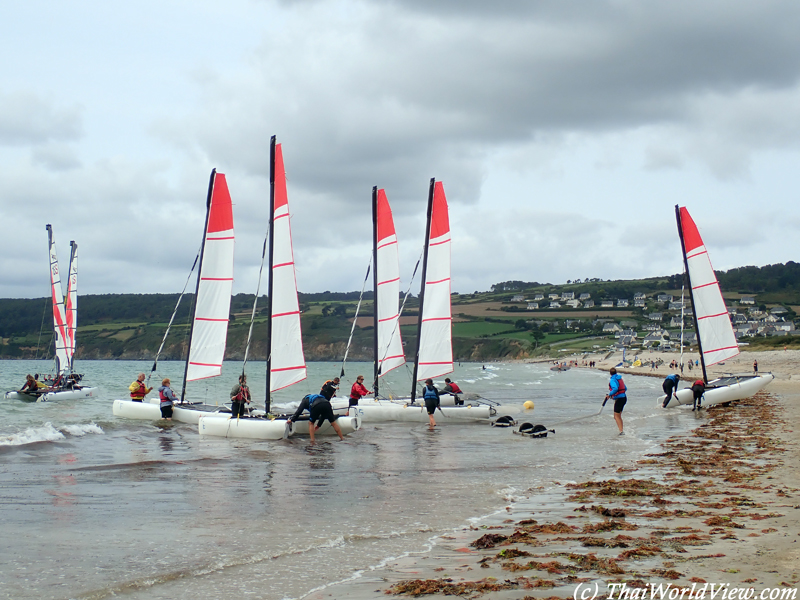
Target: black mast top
[271,236]
[422,289]
[691,295]
[376,366]
[197,289]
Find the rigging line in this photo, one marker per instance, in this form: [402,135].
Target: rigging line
[400,312]
[41,327]
[172,318]
[255,303]
[355,318]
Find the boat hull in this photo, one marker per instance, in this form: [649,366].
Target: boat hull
[87,392]
[386,411]
[744,387]
[151,411]
[265,429]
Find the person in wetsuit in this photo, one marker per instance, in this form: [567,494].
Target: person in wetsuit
[670,386]
[320,410]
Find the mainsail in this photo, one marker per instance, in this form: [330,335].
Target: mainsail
[71,304]
[286,362]
[389,347]
[715,334]
[59,318]
[214,283]
[435,354]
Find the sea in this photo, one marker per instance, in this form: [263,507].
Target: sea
[93,506]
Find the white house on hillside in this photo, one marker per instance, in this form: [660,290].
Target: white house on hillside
[533,305]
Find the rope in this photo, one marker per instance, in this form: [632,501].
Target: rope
[172,318]
[355,318]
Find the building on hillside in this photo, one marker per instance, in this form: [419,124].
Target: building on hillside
[533,305]
[568,295]
[747,300]
[583,297]
[555,305]
[518,298]
[606,304]
[676,305]
[622,303]
[779,311]
[665,298]
[638,302]
[538,297]
[656,316]
[611,328]
[588,304]
[639,296]
[573,303]
[553,296]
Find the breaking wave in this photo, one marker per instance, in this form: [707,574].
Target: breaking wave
[48,433]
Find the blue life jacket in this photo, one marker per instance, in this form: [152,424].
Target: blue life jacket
[313,398]
[430,394]
[673,378]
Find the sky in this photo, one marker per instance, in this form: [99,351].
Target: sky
[564,133]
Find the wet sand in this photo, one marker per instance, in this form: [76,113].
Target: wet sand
[720,506]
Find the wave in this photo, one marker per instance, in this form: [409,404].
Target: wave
[48,433]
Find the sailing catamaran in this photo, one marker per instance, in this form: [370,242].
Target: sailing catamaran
[65,384]
[209,327]
[715,337]
[434,351]
[286,363]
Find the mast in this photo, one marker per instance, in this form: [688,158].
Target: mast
[197,289]
[691,293]
[376,366]
[422,290]
[71,304]
[271,236]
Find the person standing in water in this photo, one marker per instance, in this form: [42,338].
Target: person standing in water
[617,392]
[431,396]
[240,397]
[138,389]
[670,386]
[167,399]
[358,391]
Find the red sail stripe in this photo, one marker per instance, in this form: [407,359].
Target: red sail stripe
[439,243]
[697,287]
[388,281]
[216,279]
[281,216]
[219,239]
[204,364]
[384,217]
[387,319]
[712,316]
[444,362]
[220,217]
[287,264]
[696,254]
[387,244]
[287,369]
[720,349]
[691,236]
[286,314]
[437,319]
[213,320]
[439,281]
[390,357]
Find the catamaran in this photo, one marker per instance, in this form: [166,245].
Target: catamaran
[715,337]
[434,350]
[65,384]
[286,363]
[209,326]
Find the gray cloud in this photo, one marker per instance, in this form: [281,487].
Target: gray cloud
[26,118]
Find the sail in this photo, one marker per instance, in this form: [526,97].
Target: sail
[435,343]
[715,331]
[71,304]
[387,292]
[215,280]
[57,295]
[288,364]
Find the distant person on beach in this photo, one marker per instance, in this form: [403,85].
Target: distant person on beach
[431,396]
[670,386]
[240,397]
[698,389]
[319,410]
[681,365]
[138,389]
[617,392]
[451,387]
[358,391]
[168,398]
[755,367]
[329,388]
[690,365]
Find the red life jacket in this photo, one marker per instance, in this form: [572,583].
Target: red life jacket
[140,392]
[454,387]
[699,382]
[620,391]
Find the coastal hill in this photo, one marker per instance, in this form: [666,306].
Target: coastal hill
[515,319]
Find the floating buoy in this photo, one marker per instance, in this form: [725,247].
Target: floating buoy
[534,431]
[504,421]
[528,404]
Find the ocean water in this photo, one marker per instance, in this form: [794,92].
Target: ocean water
[93,506]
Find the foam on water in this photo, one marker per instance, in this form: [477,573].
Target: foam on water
[47,433]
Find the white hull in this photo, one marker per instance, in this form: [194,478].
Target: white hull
[150,411]
[264,429]
[745,387]
[87,392]
[372,411]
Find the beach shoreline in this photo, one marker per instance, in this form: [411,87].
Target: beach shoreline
[715,506]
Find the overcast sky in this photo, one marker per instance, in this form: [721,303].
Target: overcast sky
[564,133]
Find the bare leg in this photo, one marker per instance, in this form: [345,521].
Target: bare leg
[618,419]
[311,429]
[432,421]
[338,429]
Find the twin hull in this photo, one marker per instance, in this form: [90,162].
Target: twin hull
[372,411]
[264,429]
[87,392]
[743,387]
[151,411]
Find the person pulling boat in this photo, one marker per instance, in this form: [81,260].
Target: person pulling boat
[431,396]
[319,410]
[617,392]
[670,386]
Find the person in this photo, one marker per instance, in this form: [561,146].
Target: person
[358,391]
[451,387]
[670,386]
[167,399]
[138,389]
[431,396]
[240,396]
[329,388]
[681,365]
[698,389]
[30,385]
[319,409]
[755,367]
[696,363]
[39,384]
[691,365]
[617,391]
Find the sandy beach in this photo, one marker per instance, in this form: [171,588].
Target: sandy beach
[717,507]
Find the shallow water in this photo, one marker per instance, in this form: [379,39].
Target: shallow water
[93,506]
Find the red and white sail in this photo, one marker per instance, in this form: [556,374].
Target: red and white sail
[71,303]
[287,364]
[57,295]
[435,344]
[213,302]
[715,329]
[390,345]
